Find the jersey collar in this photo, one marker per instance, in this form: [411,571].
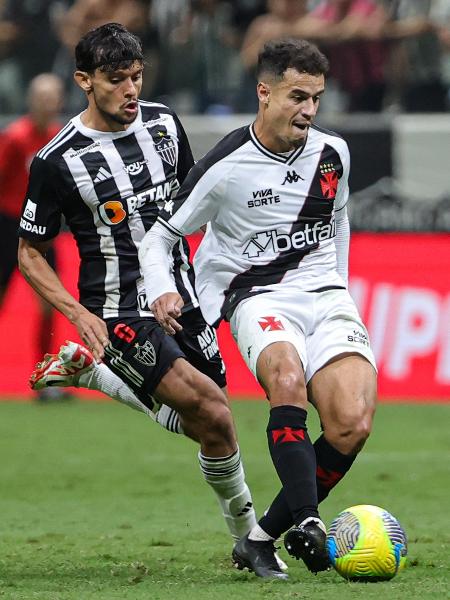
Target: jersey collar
[287,158]
[96,134]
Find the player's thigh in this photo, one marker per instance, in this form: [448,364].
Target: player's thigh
[140,353]
[344,390]
[338,329]
[272,346]
[155,367]
[341,371]
[199,343]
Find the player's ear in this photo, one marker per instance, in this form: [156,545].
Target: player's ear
[83,79]
[263,92]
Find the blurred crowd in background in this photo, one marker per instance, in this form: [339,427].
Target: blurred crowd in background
[385,55]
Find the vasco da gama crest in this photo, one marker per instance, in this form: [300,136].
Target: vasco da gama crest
[329,180]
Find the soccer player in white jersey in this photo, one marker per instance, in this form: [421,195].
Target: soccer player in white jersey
[274,262]
[107,172]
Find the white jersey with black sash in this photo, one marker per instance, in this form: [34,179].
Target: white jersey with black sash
[109,188]
[271,217]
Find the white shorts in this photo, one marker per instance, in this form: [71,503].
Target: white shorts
[320,325]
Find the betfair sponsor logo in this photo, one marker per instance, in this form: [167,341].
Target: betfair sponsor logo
[308,237]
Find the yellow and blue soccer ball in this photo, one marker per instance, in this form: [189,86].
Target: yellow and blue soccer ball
[366,543]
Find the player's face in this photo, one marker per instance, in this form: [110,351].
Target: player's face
[289,107]
[114,97]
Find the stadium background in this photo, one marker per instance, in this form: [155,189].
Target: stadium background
[400,252]
[96,503]
[387,94]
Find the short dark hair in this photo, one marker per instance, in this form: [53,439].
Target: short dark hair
[108,48]
[279,55]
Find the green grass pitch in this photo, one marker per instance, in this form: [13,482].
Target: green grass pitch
[97,502]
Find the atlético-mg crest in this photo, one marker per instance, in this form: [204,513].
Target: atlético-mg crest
[165,147]
[146,354]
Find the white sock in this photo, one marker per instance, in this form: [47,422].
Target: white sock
[257,534]
[102,379]
[169,419]
[227,478]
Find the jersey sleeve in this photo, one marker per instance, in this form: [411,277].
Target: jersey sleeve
[185,157]
[197,201]
[41,212]
[342,192]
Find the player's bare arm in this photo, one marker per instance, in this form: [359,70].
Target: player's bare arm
[43,279]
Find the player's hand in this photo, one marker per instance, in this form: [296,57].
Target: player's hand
[92,330]
[167,309]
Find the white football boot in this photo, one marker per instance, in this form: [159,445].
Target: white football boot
[62,369]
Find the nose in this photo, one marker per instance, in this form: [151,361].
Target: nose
[130,89]
[308,108]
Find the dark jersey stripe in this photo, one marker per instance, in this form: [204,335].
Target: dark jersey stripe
[134,162]
[229,144]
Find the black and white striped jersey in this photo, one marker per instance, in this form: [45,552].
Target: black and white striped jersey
[271,217]
[109,187]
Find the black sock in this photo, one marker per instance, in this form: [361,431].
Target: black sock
[331,466]
[278,517]
[293,457]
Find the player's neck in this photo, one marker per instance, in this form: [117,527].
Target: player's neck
[94,119]
[269,139]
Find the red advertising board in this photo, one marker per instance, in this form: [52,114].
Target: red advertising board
[401,283]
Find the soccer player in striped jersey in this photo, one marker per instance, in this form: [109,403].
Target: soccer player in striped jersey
[108,172]
[274,262]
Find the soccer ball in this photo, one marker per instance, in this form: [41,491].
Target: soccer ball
[366,543]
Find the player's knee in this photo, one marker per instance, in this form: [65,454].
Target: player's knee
[350,431]
[288,386]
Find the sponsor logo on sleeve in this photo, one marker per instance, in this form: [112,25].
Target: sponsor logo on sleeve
[39,229]
[30,210]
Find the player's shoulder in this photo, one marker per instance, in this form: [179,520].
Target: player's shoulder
[332,138]
[155,110]
[328,134]
[227,146]
[59,144]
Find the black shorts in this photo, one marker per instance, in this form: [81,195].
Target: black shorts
[10,240]
[140,353]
